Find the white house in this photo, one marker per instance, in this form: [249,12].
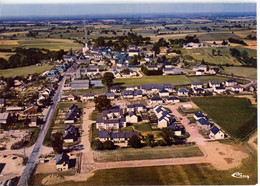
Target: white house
[131,118]
[183,92]
[62,162]
[200,72]
[215,133]
[219,90]
[198,115]
[231,83]
[204,124]
[196,85]
[164,93]
[71,97]
[87,97]
[213,84]
[172,100]
[34,122]
[237,88]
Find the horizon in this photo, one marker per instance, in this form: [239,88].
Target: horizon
[61,10]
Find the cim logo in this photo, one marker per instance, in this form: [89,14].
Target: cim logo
[239,175]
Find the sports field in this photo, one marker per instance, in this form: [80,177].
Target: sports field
[20,71]
[235,115]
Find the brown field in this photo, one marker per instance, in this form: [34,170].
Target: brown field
[12,33]
[6,55]
[8,42]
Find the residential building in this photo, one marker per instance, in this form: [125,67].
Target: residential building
[216,133]
[34,122]
[198,115]
[196,85]
[183,92]
[71,134]
[204,124]
[136,108]
[131,118]
[156,100]
[164,93]
[5,118]
[62,162]
[231,83]
[237,88]
[172,100]
[116,137]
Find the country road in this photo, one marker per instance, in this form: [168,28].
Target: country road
[39,142]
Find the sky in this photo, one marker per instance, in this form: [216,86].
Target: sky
[7,8]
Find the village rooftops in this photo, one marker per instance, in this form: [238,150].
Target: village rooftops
[199,114]
[237,86]
[196,83]
[183,90]
[156,99]
[231,81]
[214,129]
[61,158]
[203,121]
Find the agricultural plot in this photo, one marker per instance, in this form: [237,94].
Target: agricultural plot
[235,115]
[206,54]
[97,90]
[206,79]
[241,71]
[20,71]
[147,153]
[175,80]
[217,36]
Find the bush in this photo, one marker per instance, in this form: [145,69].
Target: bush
[135,142]
[161,143]
[96,145]
[108,145]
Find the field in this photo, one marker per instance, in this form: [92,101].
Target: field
[206,54]
[51,44]
[6,55]
[193,174]
[175,80]
[217,36]
[147,153]
[206,79]
[235,115]
[20,71]
[86,91]
[241,71]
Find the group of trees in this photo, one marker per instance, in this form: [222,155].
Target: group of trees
[98,145]
[31,56]
[187,39]
[250,37]
[243,57]
[214,52]
[102,103]
[148,72]
[121,42]
[232,40]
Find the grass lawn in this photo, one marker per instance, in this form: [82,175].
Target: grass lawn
[206,79]
[192,174]
[235,115]
[20,71]
[142,127]
[241,71]
[125,154]
[175,80]
[97,90]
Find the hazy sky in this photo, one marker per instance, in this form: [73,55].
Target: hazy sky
[90,9]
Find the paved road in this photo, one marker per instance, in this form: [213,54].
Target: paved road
[38,144]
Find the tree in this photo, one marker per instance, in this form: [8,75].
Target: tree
[61,36]
[244,54]
[102,103]
[224,42]
[108,79]
[56,142]
[96,145]
[167,135]
[109,145]
[213,51]
[135,141]
[219,52]
[149,140]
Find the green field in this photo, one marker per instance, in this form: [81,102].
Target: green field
[241,71]
[235,115]
[206,54]
[20,71]
[215,36]
[175,80]
[98,90]
[193,174]
[51,44]
[147,153]
[251,52]
[206,79]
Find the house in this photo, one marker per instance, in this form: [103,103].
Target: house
[198,115]
[133,52]
[164,117]
[2,102]
[34,122]
[127,94]
[156,100]
[163,51]
[136,108]
[73,114]
[172,100]
[71,97]
[5,118]
[31,109]
[198,90]
[200,72]
[111,119]
[196,85]
[231,83]
[71,134]
[138,94]
[62,162]
[201,67]
[96,83]
[183,92]
[116,137]
[204,124]
[213,84]
[115,89]
[152,67]
[93,72]
[171,71]
[219,90]
[164,93]
[213,70]
[177,130]
[167,65]
[87,97]
[110,95]
[131,118]
[130,88]
[237,88]
[215,133]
